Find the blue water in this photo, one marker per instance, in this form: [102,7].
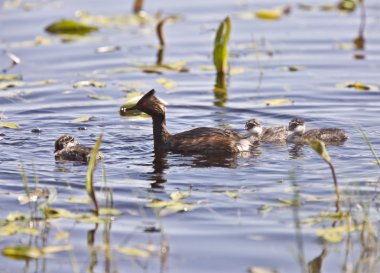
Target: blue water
[222,234]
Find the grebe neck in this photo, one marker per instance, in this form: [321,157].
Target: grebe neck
[160,131]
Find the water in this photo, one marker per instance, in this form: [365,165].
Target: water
[222,234]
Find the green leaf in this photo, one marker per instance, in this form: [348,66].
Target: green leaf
[109,211]
[54,213]
[232,194]
[89,84]
[22,252]
[9,125]
[78,200]
[166,83]
[335,234]
[175,196]
[10,84]
[320,148]
[278,102]
[89,178]
[133,251]
[70,27]
[269,14]
[10,77]
[83,119]
[358,86]
[220,46]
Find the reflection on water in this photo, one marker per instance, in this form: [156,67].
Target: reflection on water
[226,230]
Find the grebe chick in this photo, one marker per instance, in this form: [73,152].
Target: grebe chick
[68,148]
[298,135]
[199,140]
[267,135]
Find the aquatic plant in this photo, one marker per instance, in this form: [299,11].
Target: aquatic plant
[320,148]
[89,178]
[220,46]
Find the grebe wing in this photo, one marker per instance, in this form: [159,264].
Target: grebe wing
[275,134]
[206,140]
[327,134]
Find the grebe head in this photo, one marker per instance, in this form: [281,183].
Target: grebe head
[254,127]
[297,125]
[149,104]
[65,141]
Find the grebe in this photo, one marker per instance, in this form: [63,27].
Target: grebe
[68,148]
[298,135]
[198,140]
[267,135]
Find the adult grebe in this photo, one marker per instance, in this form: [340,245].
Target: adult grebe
[198,140]
[267,135]
[68,148]
[298,135]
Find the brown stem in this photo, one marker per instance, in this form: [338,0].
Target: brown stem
[336,186]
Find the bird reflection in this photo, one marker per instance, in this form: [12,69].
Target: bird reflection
[160,162]
[296,151]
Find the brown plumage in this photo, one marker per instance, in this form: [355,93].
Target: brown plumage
[198,140]
[298,135]
[67,148]
[267,135]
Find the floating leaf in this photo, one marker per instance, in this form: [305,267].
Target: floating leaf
[9,125]
[133,251]
[347,5]
[175,196]
[166,83]
[45,82]
[30,252]
[178,207]
[278,102]
[232,194]
[89,177]
[258,269]
[109,211]
[269,14]
[320,148]
[289,202]
[10,77]
[10,84]
[220,45]
[83,119]
[94,219]
[89,84]
[207,68]
[335,234]
[22,252]
[237,70]
[292,68]
[70,27]
[39,40]
[13,228]
[77,200]
[59,213]
[61,236]
[358,86]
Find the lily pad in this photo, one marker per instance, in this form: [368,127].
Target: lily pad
[70,27]
[175,196]
[83,119]
[10,77]
[269,14]
[278,102]
[9,125]
[166,83]
[10,84]
[133,251]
